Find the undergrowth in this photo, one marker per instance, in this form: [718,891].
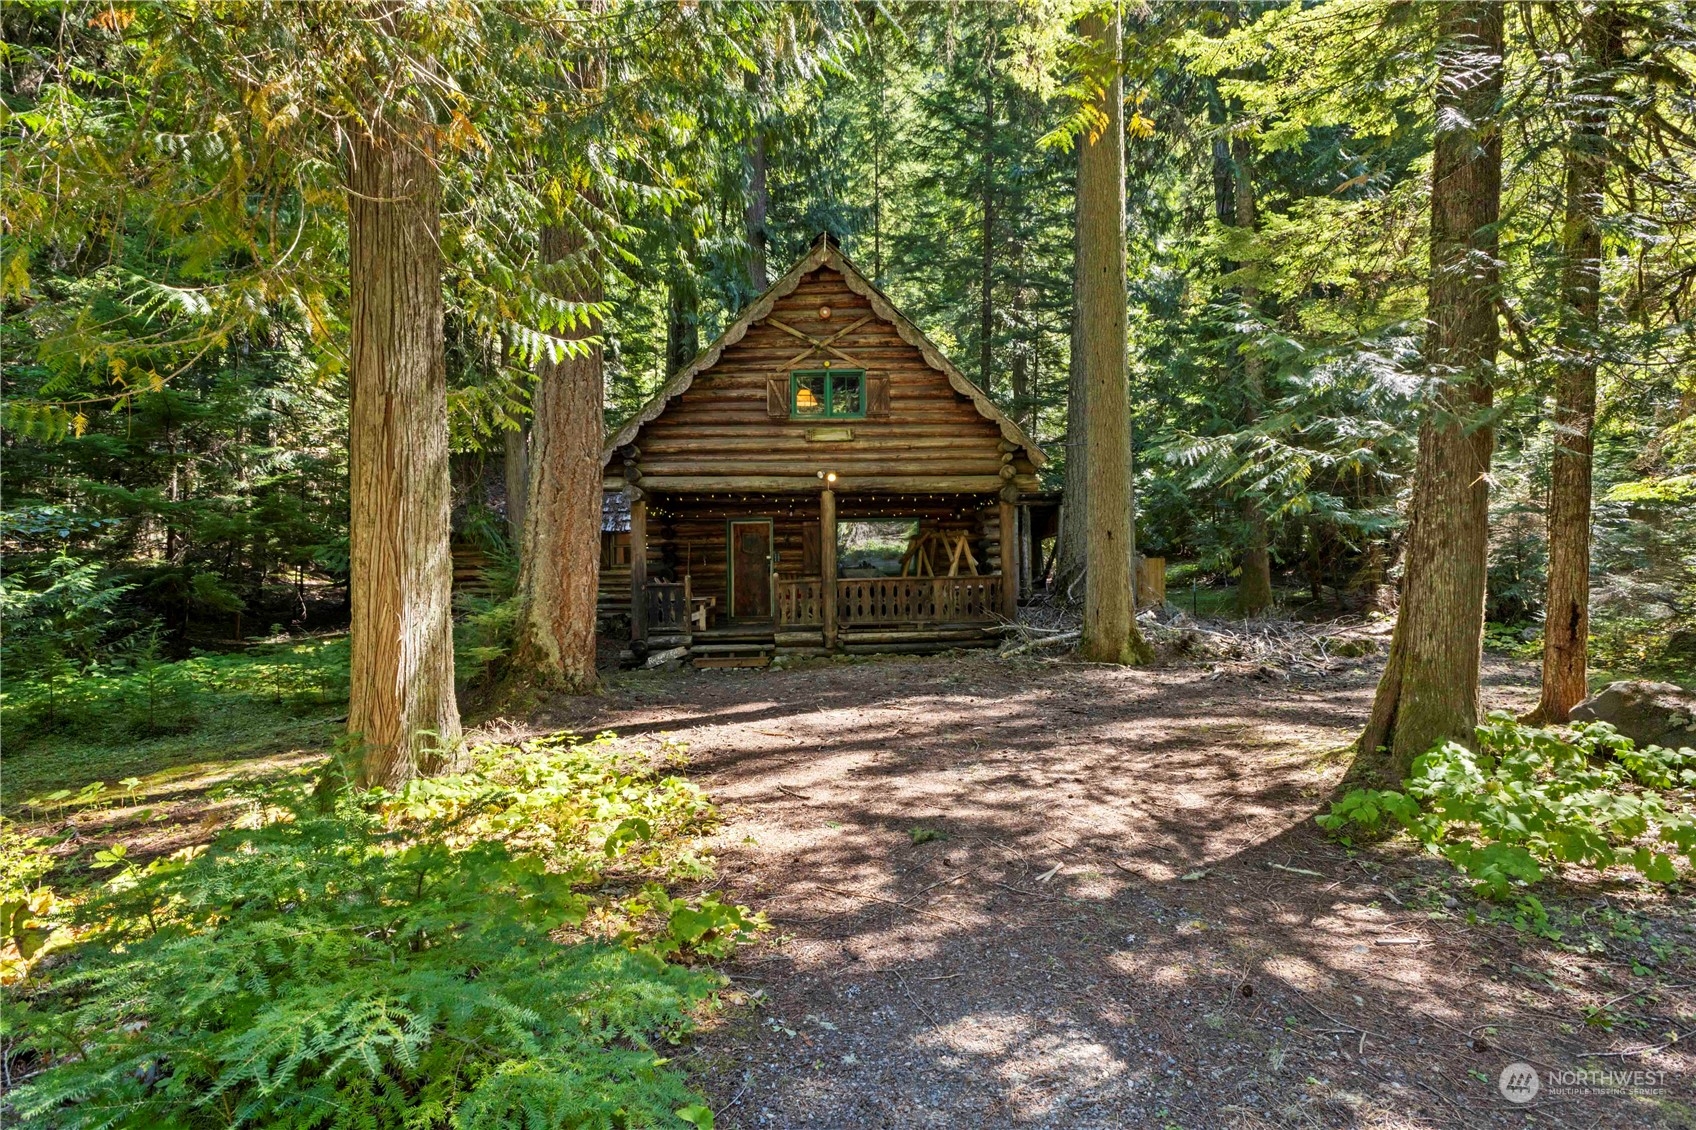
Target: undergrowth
[494,949]
[137,713]
[1530,800]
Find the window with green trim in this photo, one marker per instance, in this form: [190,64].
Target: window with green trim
[828,394]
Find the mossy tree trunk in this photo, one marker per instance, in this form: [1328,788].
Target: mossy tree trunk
[1429,689]
[402,707]
[1110,632]
[1566,624]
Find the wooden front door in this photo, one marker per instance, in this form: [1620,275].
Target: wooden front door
[750,569]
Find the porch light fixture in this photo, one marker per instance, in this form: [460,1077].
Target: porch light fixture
[828,476]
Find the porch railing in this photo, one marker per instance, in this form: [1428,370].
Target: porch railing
[859,601]
[800,602]
[668,605]
[916,600]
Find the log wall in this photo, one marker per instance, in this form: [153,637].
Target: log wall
[720,428]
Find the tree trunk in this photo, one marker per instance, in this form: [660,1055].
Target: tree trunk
[1069,568]
[516,444]
[1020,367]
[682,325]
[1254,583]
[759,202]
[401,707]
[986,269]
[880,124]
[561,560]
[1566,623]
[1110,632]
[1429,689]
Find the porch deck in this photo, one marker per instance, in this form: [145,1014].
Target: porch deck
[873,614]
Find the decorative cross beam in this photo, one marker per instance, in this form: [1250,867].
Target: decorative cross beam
[828,344]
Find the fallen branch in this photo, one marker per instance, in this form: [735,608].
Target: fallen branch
[1647,1049]
[923,1011]
[1296,870]
[1045,641]
[897,905]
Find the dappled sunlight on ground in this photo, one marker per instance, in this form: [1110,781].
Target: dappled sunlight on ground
[1074,896]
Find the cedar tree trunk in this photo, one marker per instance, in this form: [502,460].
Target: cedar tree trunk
[1566,623]
[986,266]
[1073,536]
[759,200]
[401,708]
[1254,585]
[1429,690]
[1110,632]
[560,565]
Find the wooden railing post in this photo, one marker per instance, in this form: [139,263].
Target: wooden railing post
[827,563]
[639,571]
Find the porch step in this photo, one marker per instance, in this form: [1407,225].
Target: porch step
[665,642]
[732,661]
[735,635]
[799,638]
[936,633]
[732,648]
[930,647]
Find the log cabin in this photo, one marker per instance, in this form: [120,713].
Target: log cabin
[820,407]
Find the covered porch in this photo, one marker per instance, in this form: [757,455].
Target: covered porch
[739,577]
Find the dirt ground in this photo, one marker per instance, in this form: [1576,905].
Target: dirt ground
[1058,895]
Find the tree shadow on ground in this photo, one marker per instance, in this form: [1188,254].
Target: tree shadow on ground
[1129,918]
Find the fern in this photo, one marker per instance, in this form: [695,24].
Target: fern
[390,964]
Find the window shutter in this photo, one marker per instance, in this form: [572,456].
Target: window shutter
[877,394]
[777,397]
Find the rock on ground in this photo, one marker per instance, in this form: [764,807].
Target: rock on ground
[1648,713]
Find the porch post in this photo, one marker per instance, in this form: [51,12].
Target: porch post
[1009,560]
[639,570]
[1023,519]
[827,562]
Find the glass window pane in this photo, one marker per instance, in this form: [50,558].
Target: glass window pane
[809,394]
[847,392]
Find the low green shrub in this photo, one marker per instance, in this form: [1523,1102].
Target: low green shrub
[29,909]
[1531,799]
[424,959]
[138,693]
[138,714]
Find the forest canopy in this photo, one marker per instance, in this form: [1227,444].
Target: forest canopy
[176,284]
[387,385]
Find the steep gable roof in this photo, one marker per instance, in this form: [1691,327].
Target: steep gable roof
[824,253]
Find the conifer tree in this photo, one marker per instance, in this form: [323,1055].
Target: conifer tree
[1110,633]
[1429,689]
[1566,618]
